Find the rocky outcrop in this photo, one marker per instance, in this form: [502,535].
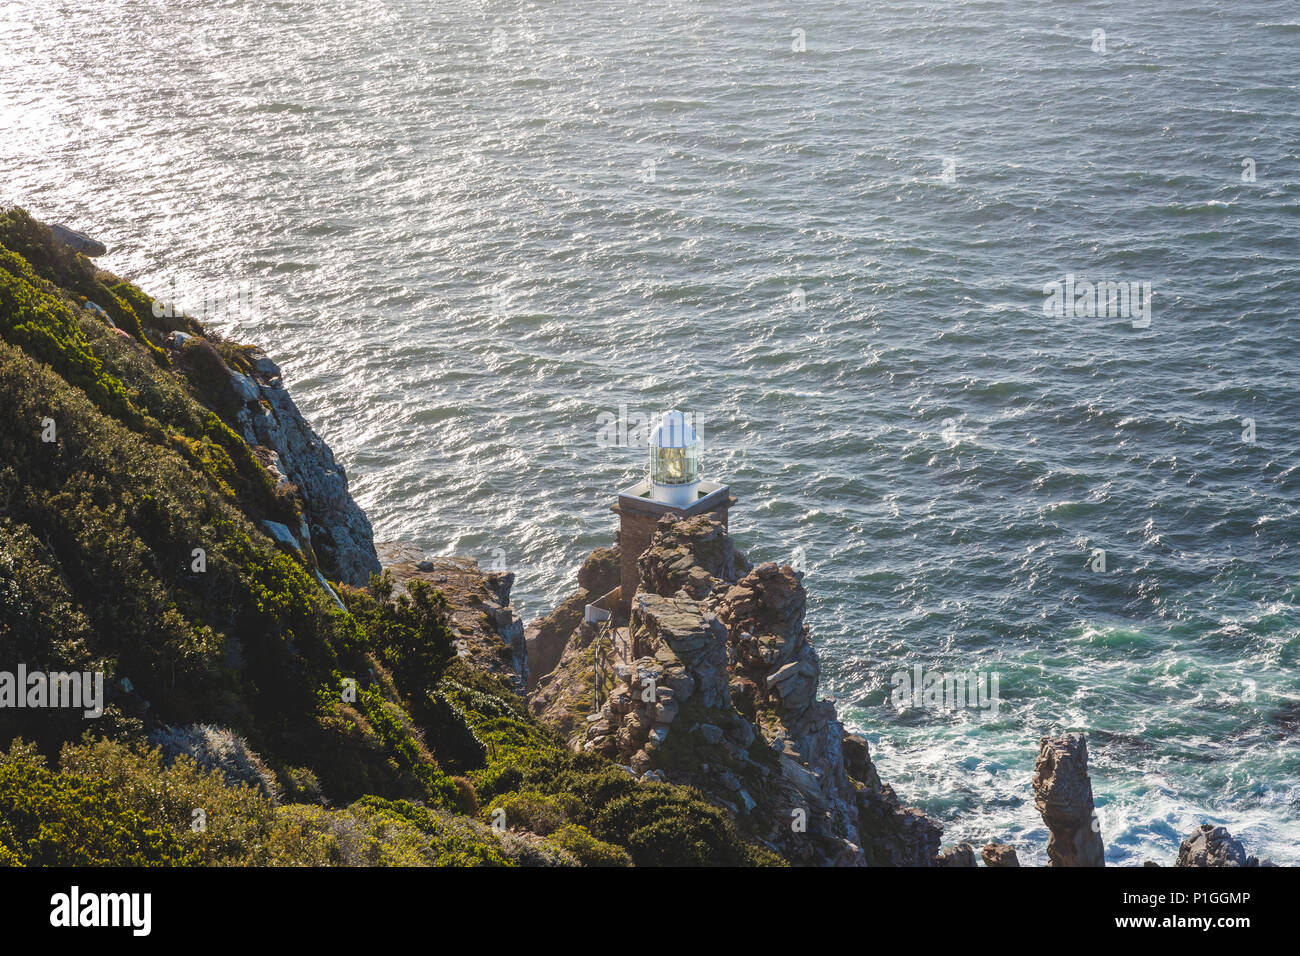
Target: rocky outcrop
[599,572]
[1211,845]
[697,559]
[999,855]
[713,684]
[486,631]
[79,241]
[1063,795]
[333,527]
[341,534]
[547,636]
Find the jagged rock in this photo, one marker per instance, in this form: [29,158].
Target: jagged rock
[720,694]
[894,835]
[1211,845]
[963,854]
[768,600]
[857,761]
[340,532]
[693,636]
[262,364]
[796,682]
[999,855]
[245,387]
[692,554]
[1063,795]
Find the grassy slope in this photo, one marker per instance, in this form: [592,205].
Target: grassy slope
[97,533]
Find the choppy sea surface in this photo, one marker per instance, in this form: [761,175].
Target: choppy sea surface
[468,230]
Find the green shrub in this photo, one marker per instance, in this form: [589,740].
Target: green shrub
[667,826]
[455,745]
[450,840]
[539,813]
[412,637]
[52,819]
[300,785]
[233,822]
[466,796]
[207,370]
[586,849]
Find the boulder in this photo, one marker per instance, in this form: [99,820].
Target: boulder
[79,241]
[999,855]
[963,854]
[600,572]
[1212,845]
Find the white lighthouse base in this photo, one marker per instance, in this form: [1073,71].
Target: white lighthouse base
[679,496]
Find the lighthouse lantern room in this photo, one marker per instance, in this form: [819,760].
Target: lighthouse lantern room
[672,486]
[674,461]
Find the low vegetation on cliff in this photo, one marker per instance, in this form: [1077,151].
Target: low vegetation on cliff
[252,714]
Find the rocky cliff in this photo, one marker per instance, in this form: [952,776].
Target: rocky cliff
[713,684]
[547,636]
[245,386]
[332,524]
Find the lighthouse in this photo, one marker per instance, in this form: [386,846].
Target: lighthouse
[672,486]
[674,461]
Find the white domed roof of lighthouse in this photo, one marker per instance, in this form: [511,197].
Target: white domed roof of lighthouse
[673,431]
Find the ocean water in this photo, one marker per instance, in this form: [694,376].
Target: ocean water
[469,230]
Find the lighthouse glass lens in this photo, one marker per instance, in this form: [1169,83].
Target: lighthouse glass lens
[674,466]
